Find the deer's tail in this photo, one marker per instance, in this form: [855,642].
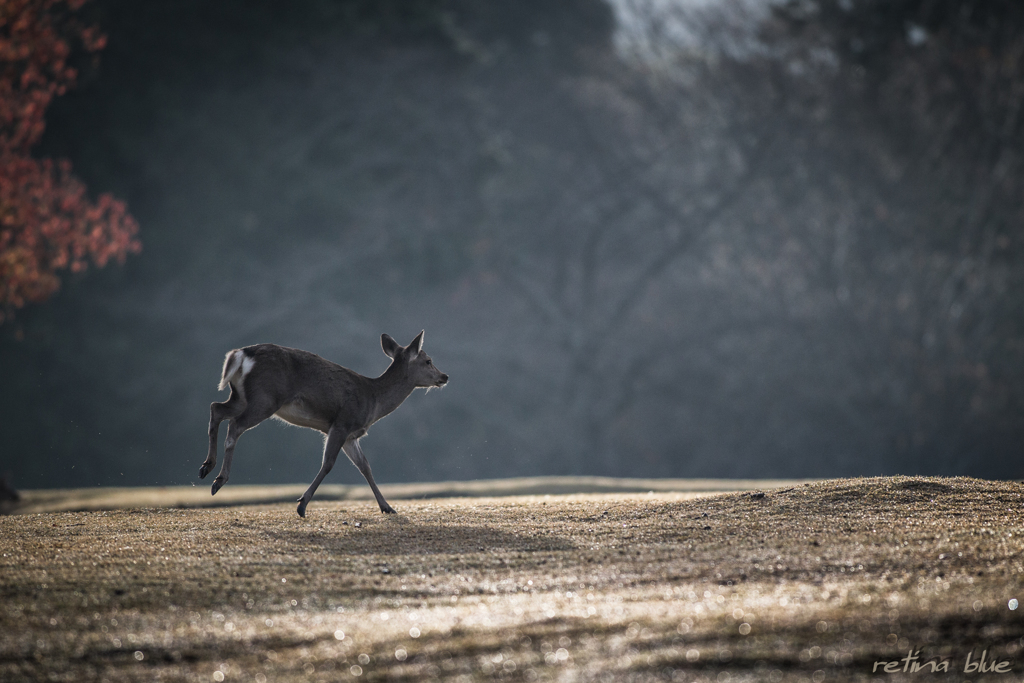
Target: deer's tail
[232,364]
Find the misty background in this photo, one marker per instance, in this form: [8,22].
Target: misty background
[648,238]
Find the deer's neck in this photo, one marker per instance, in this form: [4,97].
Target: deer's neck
[392,388]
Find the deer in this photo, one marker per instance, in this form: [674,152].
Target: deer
[303,389]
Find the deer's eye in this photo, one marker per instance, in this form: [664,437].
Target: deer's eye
[430,362]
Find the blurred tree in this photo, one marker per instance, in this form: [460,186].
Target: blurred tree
[47,223]
[842,179]
[759,240]
[933,90]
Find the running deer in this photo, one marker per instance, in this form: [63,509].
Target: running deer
[303,389]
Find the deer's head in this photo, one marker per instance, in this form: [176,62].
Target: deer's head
[413,360]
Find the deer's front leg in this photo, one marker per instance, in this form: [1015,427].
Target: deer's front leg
[355,454]
[335,438]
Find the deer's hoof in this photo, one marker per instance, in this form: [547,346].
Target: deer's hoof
[217,483]
[301,509]
[388,510]
[204,470]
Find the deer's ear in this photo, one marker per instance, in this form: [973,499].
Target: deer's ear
[390,346]
[417,344]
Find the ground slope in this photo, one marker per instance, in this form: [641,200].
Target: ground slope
[813,582]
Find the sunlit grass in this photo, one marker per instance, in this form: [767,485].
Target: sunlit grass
[814,582]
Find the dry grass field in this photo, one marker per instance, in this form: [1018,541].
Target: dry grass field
[812,582]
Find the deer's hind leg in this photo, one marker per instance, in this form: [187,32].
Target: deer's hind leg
[227,410]
[258,409]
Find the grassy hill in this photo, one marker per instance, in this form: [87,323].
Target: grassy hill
[818,581]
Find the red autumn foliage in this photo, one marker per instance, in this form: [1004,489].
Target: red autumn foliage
[47,222]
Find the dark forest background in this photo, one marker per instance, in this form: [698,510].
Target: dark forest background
[732,239]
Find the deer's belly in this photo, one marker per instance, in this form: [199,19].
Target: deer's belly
[298,414]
